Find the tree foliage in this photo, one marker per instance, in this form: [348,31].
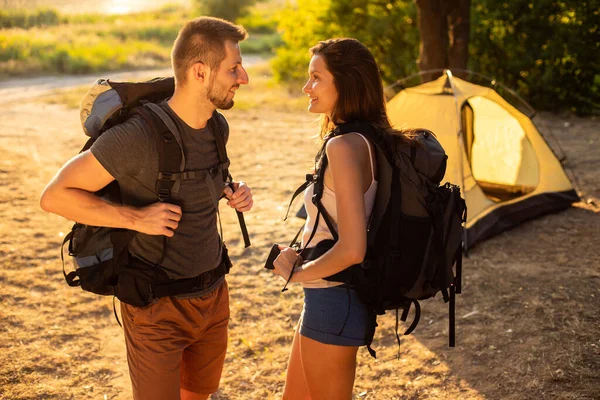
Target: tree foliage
[230,10]
[387,27]
[548,50]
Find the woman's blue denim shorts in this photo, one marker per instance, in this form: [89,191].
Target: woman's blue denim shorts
[335,315]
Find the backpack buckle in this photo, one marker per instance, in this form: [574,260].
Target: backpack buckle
[164,194]
[214,171]
[165,176]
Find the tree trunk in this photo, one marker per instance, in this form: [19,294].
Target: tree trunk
[444,28]
[459,27]
[433,27]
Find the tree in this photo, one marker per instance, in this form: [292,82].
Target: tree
[444,27]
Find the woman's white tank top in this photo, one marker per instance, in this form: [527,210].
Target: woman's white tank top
[328,201]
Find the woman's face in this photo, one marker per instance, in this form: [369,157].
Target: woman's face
[320,87]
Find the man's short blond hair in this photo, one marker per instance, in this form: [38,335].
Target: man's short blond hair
[203,40]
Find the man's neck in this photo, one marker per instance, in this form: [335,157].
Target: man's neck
[191,109]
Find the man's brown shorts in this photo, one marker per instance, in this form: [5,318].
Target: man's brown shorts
[177,343]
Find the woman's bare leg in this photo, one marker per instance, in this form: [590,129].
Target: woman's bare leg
[329,370]
[295,383]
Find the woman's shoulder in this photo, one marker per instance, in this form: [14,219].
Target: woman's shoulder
[348,144]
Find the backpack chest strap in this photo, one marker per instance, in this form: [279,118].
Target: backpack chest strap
[194,174]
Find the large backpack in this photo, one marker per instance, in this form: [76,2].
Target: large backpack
[415,233]
[101,258]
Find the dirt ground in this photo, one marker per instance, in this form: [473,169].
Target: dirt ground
[527,321]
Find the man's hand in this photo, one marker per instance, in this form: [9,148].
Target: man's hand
[157,219]
[240,197]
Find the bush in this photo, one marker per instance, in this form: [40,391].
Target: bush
[28,19]
[261,44]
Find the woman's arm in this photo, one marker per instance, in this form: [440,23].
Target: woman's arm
[350,176]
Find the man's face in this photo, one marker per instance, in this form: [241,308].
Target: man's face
[225,80]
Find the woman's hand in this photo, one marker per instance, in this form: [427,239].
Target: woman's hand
[286,261]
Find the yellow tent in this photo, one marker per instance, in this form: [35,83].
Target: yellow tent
[506,170]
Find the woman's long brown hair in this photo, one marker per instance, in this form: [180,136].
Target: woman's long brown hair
[358,83]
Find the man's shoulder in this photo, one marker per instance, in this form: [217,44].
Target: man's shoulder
[135,125]
[135,134]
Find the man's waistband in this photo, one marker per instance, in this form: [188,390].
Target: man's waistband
[190,285]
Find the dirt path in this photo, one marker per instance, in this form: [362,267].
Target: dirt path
[528,321]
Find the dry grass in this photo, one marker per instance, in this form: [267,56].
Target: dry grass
[528,325]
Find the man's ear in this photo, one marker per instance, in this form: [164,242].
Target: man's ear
[198,72]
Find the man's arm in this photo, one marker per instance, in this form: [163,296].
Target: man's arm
[70,194]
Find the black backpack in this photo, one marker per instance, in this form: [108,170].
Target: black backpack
[101,258]
[415,234]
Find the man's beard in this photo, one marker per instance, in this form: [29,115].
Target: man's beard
[214,97]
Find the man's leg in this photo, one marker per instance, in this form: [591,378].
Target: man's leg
[202,361]
[187,395]
[154,348]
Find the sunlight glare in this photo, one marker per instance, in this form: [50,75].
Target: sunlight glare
[121,7]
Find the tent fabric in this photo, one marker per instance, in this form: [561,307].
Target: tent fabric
[506,170]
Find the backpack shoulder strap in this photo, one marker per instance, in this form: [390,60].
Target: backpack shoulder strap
[318,193]
[171,160]
[363,127]
[167,121]
[217,130]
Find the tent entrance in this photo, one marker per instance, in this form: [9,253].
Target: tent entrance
[502,159]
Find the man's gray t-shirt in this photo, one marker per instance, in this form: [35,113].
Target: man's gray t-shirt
[129,153]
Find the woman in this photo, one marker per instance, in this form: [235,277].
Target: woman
[343,85]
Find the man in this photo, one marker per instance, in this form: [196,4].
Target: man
[176,345]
